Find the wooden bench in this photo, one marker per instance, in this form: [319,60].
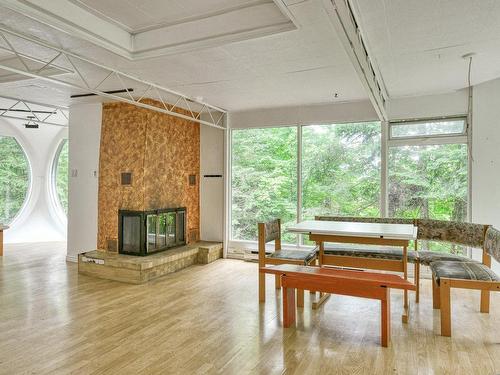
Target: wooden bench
[363,284]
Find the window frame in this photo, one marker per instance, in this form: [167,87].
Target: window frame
[29,190]
[386,142]
[53,179]
[434,137]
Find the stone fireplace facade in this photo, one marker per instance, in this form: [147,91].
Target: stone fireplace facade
[148,161]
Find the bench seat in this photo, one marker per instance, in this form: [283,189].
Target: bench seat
[462,271]
[427,257]
[389,253]
[303,255]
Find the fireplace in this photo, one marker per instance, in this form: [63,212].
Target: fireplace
[147,232]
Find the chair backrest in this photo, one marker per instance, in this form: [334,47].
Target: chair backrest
[272,230]
[364,219]
[466,234]
[492,243]
[269,231]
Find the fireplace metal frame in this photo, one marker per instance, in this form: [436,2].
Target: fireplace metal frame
[143,215]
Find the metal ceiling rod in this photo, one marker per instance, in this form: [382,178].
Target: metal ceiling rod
[79,78]
[45,117]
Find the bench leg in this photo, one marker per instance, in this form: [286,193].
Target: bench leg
[417,282]
[288,307]
[445,305]
[435,294]
[385,319]
[262,287]
[277,279]
[300,297]
[485,301]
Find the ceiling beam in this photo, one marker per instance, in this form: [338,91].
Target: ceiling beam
[48,116]
[346,26]
[76,75]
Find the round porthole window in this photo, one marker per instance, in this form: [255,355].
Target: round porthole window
[60,175]
[15,177]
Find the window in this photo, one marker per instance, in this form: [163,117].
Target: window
[341,170]
[425,165]
[264,180]
[410,129]
[14,179]
[60,175]
[429,178]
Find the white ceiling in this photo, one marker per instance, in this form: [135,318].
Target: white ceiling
[418,45]
[139,15]
[304,66]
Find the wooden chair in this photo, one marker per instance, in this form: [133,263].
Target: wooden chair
[466,275]
[271,231]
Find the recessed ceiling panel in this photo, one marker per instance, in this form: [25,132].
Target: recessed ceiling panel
[140,15]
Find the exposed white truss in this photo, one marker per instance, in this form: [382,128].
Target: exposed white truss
[33,112]
[37,59]
[344,22]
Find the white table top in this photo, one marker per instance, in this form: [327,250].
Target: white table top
[355,229]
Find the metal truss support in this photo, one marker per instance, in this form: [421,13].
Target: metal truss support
[35,58]
[33,112]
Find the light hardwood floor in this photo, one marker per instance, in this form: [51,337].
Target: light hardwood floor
[207,319]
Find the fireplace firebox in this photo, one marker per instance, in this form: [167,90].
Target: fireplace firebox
[147,232]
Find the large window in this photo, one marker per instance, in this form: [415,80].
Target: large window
[264,179]
[423,170]
[14,178]
[60,175]
[428,172]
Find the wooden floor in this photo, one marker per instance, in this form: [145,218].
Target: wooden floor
[207,319]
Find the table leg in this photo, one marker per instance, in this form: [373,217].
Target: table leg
[406,306]
[288,306]
[1,243]
[385,319]
[322,296]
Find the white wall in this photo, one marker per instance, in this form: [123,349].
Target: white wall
[428,106]
[84,142]
[486,155]
[41,219]
[311,114]
[211,188]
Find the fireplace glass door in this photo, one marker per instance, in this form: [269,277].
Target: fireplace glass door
[146,232]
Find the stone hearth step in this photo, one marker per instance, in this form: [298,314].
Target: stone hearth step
[139,270]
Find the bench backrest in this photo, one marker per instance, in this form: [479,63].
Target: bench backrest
[492,243]
[466,234]
[363,219]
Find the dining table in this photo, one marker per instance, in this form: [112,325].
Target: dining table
[366,233]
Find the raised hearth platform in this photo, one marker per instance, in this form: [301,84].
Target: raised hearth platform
[139,270]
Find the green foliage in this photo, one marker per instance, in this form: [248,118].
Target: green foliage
[429,182]
[14,178]
[264,179]
[61,176]
[341,170]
